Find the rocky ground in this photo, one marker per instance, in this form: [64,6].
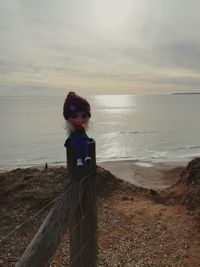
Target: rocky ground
[136,227]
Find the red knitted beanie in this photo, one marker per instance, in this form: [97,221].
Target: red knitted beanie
[75,103]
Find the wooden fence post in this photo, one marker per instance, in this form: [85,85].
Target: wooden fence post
[83,223]
[44,244]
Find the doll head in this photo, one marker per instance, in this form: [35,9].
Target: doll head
[76,110]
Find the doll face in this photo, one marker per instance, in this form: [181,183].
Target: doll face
[79,118]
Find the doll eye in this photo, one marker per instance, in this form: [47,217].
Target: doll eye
[84,116]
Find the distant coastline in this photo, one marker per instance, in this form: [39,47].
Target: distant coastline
[187,93]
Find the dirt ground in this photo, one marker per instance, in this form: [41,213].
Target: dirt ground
[136,227]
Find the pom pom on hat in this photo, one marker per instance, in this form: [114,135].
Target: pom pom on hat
[75,103]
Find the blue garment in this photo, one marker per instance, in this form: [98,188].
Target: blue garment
[79,141]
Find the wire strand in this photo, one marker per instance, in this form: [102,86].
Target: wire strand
[78,224]
[16,228]
[85,245]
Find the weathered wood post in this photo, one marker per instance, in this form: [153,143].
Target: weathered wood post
[47,239]
[83,223]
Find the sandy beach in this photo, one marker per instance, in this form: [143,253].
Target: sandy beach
[154,175]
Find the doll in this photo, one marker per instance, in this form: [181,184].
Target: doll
[76,111]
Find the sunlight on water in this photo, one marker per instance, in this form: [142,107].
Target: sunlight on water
[123,126]
[115,101]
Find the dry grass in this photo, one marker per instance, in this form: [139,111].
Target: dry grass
[136,227]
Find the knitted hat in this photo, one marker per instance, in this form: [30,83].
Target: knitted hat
[75,103]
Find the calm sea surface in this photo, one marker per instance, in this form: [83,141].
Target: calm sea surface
[32,129]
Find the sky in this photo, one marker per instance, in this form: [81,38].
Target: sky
[100,46]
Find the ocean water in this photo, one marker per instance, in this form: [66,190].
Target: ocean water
[144,128]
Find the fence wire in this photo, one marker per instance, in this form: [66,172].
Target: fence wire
[11,243]
[16,228]
[14,235]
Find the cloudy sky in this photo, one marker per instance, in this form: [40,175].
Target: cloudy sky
[101,46]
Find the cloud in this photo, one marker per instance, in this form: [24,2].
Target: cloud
[66,42]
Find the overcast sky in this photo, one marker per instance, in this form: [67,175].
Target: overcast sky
[113,46]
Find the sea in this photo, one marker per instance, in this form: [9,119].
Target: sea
[143,128]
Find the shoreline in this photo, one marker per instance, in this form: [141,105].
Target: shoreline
[143,162]
[156,175]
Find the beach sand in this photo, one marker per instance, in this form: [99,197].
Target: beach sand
[154,175]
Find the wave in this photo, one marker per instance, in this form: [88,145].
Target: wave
[134,132]
[114,158]
[189,147]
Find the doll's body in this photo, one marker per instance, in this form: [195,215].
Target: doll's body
[80,140]
[76,111]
